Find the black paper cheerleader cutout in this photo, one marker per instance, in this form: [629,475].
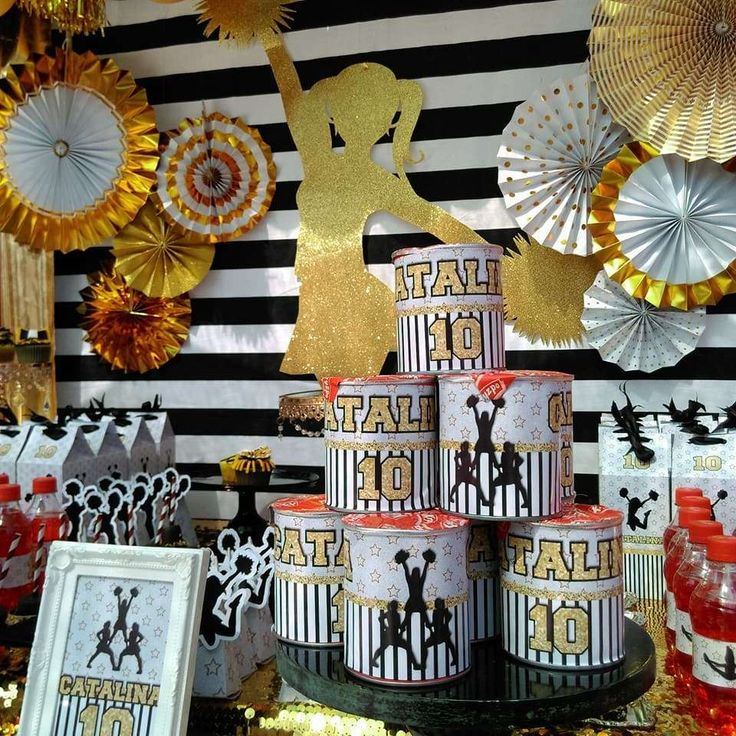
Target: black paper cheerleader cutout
[441,633]
[104,639]
[727,670]
[157,488]
[415,579]
[133,648]
[121,623]
[635,505]
[464,467]
[392,626]
[509,473]
[721,496]
[684,416]
[72,501]
[218,593]
[630,424]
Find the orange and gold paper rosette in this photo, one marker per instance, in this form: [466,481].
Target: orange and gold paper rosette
[216,177]
[665,228]
[78,150]
[665,69]
[158,258]
[241,21]
[129,330]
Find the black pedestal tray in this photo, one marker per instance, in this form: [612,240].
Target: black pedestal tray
[497,693]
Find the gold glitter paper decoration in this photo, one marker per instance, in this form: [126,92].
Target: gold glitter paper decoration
[608,249]
[543,292]
[129,330]
[158,258]
[665,69]
[69,16]
[55,192]
[241,20]
[346,322]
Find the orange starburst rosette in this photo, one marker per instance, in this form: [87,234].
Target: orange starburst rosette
[131,331]
[217,177]
[608,249]
[78,150]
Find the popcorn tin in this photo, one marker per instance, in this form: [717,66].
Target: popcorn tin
[562,589]
[381,443]
[484,591]
[309,570]
[449,308]
[500,444]
[406,597]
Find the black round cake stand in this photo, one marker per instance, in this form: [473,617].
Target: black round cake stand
[497,694]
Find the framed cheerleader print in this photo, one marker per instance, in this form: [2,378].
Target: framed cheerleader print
[116,640]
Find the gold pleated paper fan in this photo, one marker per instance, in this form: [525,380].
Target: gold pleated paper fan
[543,292]
[129,330]
[665,69]
[158,258]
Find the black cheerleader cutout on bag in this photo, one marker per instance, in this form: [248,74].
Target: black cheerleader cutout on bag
[635,505]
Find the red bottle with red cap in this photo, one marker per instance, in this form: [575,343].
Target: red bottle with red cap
[713,606]
[692,571]
[682,497]
[15,549]
[4,480]
[672,561]
[48,520]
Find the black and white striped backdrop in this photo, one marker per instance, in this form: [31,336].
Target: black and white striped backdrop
[475,61]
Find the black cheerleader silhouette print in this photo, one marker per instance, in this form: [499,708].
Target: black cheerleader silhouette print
[392,625]
[104,639]
[464,469]
[121,624]
[133,647]
[635,505]
[727,669]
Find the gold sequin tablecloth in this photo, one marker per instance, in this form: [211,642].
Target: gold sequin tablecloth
[257,706]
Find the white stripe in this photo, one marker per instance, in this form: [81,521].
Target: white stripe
[481,88]
[414,31]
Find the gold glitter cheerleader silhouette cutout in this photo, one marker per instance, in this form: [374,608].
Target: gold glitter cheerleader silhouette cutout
[346,322]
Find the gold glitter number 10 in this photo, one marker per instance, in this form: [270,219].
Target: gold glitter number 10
[390,478]
[338,600]
[123,718]
[462,339]
[554,629]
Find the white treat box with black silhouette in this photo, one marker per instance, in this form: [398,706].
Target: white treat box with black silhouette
[484,591]
[159,425]
[309,570]
[381,443]
[500,444]
[562,591]
[104,441]
[712,468]
[12,441]
[406,597]
[449,308]
[641,490]
[61,452]
[138,442]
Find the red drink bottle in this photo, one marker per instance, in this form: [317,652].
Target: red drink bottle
[692,571]
[15,549]
[682,498]
[48,520]
[672,561]
[4,480]
[713,606]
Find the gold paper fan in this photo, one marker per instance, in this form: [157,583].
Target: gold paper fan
[241,20]
[129,330]
[158,258]
[543,292]
[665,69]
[69,16]
[78,150]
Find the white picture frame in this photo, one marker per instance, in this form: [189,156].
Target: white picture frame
[104,610]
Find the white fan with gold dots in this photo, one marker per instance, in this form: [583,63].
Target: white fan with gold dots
[550,159]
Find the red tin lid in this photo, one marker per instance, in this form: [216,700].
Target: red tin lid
[414,522]
[585,516]
[331,385]
[303,506]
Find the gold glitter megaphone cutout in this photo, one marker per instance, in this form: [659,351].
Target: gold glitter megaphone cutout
[346,316]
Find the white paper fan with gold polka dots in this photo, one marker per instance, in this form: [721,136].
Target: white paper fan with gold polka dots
[551,157]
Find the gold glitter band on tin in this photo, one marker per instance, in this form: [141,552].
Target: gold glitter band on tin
[450,601]
[293,577]
[608,249]
[518,446]
[482,574]
[380,446]
[448,308]
[532,591]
